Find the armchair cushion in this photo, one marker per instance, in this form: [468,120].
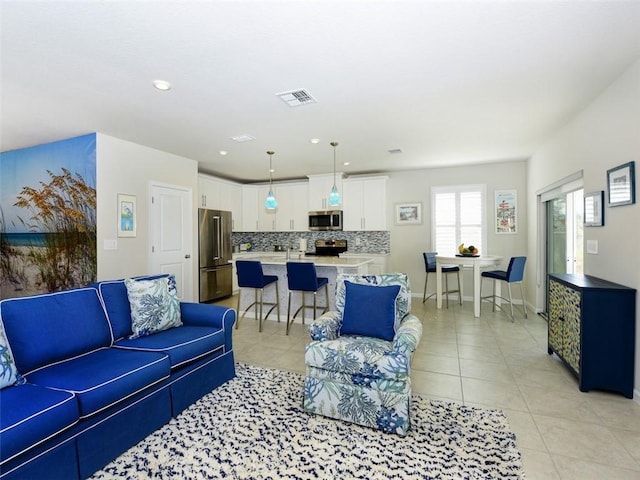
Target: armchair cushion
[369,310]
[403,300]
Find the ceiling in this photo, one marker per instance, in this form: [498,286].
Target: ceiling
[448,83]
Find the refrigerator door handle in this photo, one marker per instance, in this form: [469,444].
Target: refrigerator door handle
[217,233]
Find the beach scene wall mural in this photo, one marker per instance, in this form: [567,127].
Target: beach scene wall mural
[48,217]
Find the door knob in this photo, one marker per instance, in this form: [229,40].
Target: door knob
[187,256]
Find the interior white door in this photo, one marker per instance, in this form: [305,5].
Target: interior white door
[171,235]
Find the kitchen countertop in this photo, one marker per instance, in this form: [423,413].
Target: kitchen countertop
[270,259]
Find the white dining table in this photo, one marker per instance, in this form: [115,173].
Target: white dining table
[477,263]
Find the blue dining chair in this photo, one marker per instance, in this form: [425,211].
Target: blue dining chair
[430,267]
[513,274]
[250,275]
[302,277]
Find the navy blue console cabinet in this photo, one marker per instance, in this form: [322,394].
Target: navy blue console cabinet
[592,329]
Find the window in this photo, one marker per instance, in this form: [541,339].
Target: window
[458,215]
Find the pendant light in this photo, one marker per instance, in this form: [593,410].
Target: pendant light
[270,203]
[335,200]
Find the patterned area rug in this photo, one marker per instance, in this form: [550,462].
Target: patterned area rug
[254,428]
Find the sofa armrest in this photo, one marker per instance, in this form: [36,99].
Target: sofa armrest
[326,327]
[408,335]
[204,315]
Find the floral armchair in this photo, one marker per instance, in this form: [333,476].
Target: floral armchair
[363,379]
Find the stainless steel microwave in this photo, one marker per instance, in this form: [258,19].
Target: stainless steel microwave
[325,220]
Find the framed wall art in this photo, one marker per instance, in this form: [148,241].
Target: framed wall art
[127,211]
[621,184]
[409,213]
[593,209]
[506,205]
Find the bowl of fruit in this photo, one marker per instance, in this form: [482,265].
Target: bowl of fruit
[469,251]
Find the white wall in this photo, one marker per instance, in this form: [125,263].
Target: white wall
[604,135]
[409,241]
[125,167]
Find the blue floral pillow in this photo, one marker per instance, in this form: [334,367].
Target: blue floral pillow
[155,305]
[8,372]
[369,310]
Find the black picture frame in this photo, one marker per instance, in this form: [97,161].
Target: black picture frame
[621,185]
[594,209]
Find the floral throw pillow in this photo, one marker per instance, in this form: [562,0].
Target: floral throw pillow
[154,305]
[8,372]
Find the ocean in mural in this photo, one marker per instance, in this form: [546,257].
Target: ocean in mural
[48,217]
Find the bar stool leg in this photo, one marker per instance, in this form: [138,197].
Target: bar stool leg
[446,286]
[524,302]
[238,309]
[261,300]
[460,290]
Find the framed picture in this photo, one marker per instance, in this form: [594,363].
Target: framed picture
[621,182]
[409,213]
[593,209]
[506,205]
[127,212]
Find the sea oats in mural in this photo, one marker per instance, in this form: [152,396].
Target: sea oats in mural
[48,217]
[64,209]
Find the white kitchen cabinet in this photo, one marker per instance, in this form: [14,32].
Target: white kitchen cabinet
[255,217]
[218,194]
[250,208]
[208,192]
[266,218]
[293,213]
[364,203]
[319,189]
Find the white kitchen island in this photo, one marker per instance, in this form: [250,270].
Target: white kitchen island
[275,264]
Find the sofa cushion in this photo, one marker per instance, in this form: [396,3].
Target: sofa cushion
[30,414]
[48,328]
[183,345]
[8,372]
[369,310]
[104,377]
[116,303]
[154,305]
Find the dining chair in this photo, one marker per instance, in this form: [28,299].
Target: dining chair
[513,274]
[430,267]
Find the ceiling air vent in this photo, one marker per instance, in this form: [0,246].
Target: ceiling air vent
[242,138]
[395,151]
[296,98]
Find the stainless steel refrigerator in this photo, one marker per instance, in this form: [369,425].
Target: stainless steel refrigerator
[214,230]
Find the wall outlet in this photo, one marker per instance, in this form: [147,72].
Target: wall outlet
[358,241]
[110,244]
[592,246]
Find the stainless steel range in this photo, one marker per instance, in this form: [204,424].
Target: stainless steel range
[329,248]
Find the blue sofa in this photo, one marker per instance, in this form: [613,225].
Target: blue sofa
[91,391]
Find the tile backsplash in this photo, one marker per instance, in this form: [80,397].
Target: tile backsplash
[358,242]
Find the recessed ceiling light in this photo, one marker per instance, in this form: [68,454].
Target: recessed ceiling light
[162,85]
[223,152]
[315,140]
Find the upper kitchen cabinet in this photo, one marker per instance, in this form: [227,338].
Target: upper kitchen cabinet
[319,189]
[217,194]
[255,217]
[364,201]
[292,213]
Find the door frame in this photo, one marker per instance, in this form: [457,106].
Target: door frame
[188,296]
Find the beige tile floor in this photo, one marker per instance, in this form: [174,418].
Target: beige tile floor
[492,363]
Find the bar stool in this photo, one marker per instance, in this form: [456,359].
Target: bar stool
[250,275]
[302,277]
[430,267]
[513,274]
